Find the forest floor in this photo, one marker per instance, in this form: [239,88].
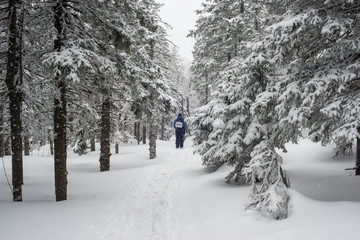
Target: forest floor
[174,198]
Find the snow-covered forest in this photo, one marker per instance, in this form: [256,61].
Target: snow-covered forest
[268,72]
[89,92]
[77,72]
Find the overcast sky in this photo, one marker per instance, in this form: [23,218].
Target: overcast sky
[180,14]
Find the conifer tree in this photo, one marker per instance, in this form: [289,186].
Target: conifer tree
[235,128]
[152,92]
[315,49]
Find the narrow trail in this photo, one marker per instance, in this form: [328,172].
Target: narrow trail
[149,210]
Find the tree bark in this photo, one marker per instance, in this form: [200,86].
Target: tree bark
[144,135]
[152,141]
[7,147]
[138,132]
[357,163]
[13,81]
[105,136]
[60,146]
[152,110]
[162,131]
[51,142]
[116,148]
[152,131]
[2,145]
[188,106]
[26,146]
[92,143]
[182,106]
[2,138]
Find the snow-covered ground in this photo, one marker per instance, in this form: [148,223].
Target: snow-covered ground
[173,197]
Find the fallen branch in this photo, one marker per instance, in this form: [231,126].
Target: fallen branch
[354,168]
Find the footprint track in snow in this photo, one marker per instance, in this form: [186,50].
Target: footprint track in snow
[149,210]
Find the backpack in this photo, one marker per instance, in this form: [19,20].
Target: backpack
[178,124]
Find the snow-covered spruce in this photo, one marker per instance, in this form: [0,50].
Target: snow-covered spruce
[315,48]
[269,193]
[242,113]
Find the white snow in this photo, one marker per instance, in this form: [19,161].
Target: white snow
[174,197]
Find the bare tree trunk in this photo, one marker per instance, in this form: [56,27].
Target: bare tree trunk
[162,134]
[152,141]
[2,145]
[188,106]
[26,146]
[51,142]
[42,141]
[182,106]
[60,146]
[16,149]
[138,132]
[144,135]
[2,138]
[7,147]
[357,163]
[105,136]
[151,111]
[152,131]
[13,81]
[206,89]
[116,148]
[92,143]
[135,130]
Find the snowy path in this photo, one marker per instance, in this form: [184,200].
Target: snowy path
[173,197]
[149,210]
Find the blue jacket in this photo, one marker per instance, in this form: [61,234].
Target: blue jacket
[180,119]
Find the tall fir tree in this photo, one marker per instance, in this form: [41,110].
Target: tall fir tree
[234,128]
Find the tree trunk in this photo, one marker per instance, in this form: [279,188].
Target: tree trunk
[2,138]
[152,131]
[105,136]
[92,143]
[144,135]
[135,129]
[16,147]
[116,148]
[7,147]
[60,146]
[188,106]
[162,134]
[188,113]
[26,146]
[2,145]
[51,142]
[182,106]
[357,163]
[152,141]
[138,132]
[206,89]
[13,81]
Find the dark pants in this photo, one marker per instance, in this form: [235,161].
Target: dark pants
[179,138]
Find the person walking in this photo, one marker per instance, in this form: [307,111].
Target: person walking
[180,129]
